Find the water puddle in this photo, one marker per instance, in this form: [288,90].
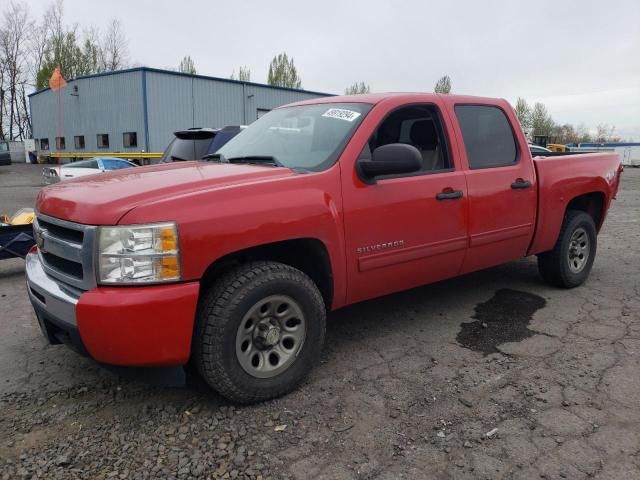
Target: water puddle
[503,318]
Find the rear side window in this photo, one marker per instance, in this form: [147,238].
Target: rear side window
[221,138]
[93,163]
[487,135]
[114,164]
[186,149]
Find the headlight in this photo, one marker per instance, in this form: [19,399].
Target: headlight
[138,254]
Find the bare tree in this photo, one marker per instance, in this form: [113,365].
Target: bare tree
[37,49]
[606,133]
[244,74]
[114,47]
[443,85]
[582,134]
[14,36]
[3,91]
[187,65]
[357,88]
[564,134]
[54,16]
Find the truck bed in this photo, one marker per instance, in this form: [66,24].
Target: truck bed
[563,178]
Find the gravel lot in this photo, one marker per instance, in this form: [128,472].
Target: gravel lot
[492,375]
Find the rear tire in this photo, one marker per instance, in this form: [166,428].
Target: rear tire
[569,263]
[259,331]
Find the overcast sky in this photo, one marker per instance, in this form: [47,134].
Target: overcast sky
[580,57]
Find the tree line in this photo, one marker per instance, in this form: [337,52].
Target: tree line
[536,120]
[31,49]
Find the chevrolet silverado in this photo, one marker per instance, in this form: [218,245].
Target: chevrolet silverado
[232,262]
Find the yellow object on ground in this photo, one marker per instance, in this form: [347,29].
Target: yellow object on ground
[106,154]
[24,216]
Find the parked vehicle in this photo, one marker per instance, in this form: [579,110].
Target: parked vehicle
[538,150]
[233,262]
[195,143]
[82,168]
[629,152]
[5,154]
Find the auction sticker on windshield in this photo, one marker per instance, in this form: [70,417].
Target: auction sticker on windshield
[342,114]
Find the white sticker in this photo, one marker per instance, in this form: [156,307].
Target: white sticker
[342,114]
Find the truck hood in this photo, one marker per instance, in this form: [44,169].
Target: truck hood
[105,199]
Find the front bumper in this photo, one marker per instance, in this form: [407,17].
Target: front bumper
[127,326]
[54,305]
[49,178]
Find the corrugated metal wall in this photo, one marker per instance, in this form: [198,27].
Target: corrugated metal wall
[169,107]
[260,98]
[177,102]
[114,104]
[110,104]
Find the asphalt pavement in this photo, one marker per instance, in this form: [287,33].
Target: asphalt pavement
[488,376]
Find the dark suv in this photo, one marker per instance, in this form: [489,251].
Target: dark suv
[5,154]
[195,143]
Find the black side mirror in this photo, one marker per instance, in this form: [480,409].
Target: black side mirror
[391,159]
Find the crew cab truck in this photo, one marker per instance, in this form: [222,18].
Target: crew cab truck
[233,262]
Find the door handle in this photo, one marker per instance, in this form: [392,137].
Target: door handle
[449,195]
[520,183]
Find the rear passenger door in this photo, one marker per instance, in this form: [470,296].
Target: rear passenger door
[500,183]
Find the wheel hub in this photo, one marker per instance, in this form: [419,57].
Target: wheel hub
[578,251]
[267,334]
[270,336]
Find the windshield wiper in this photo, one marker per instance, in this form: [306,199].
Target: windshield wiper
[214,156]
[255,159]
[258,159]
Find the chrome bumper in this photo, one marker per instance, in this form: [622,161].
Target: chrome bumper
[49,296]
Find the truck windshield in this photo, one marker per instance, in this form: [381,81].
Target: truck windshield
[308,137]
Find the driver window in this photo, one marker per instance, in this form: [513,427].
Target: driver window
[418,126]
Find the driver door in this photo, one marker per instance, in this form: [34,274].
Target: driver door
[406,230]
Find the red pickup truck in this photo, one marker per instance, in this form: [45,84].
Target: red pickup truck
[231,262]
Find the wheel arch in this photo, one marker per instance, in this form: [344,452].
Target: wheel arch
[592,203]
[308,255]
[551,215]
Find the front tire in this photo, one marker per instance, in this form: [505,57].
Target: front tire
[259,331]
[569,263]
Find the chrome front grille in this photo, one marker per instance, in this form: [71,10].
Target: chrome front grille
[66,250]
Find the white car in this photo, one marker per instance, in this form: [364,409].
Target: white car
[538,150]
[85,167]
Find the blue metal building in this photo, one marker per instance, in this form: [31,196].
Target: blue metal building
[138,109]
